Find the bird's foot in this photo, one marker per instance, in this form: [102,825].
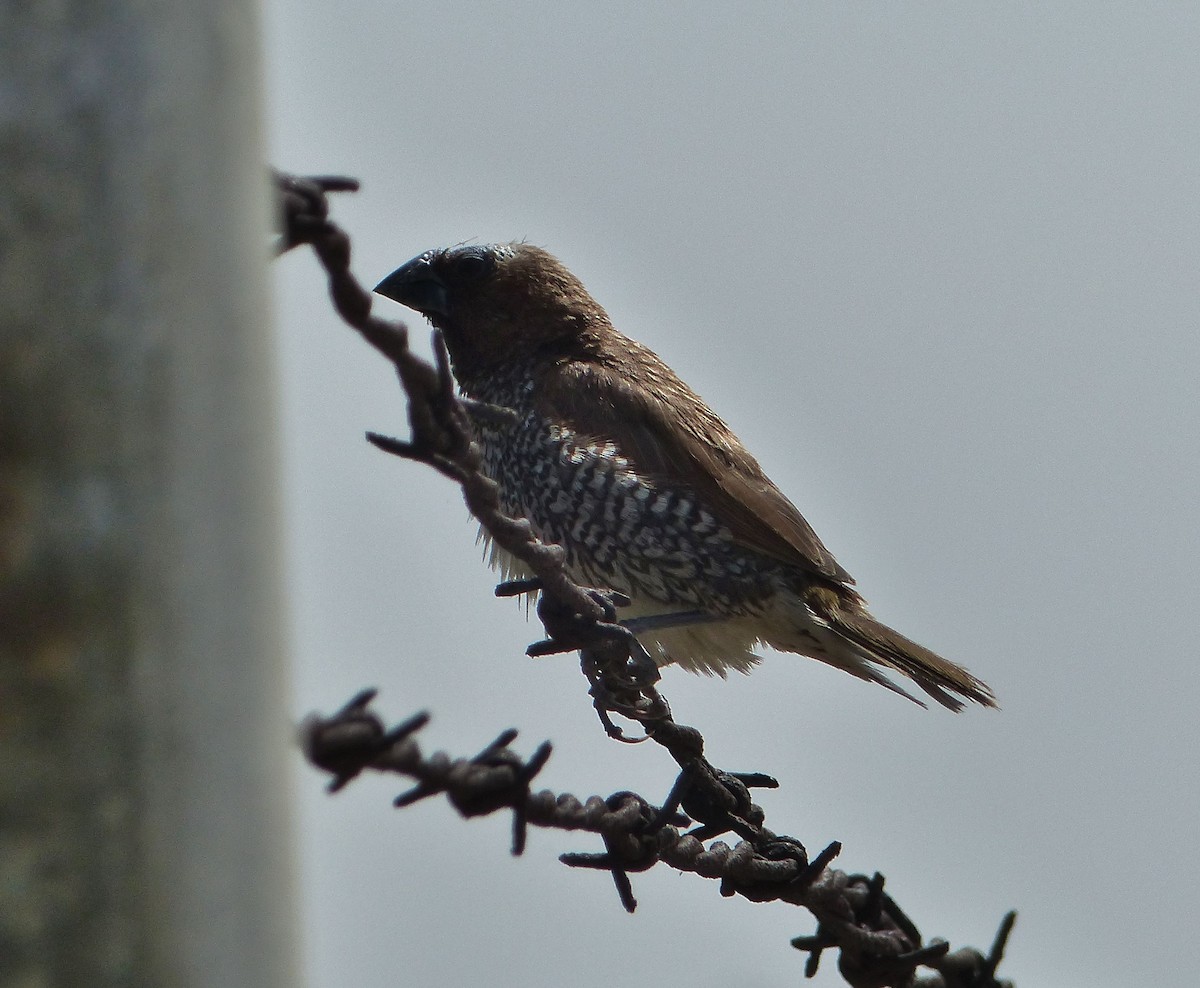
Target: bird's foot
[676,619]
[621,671]
[484,412]
[514,588]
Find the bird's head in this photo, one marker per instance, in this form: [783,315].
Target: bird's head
[498,303]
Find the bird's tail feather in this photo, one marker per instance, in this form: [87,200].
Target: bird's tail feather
[877,643]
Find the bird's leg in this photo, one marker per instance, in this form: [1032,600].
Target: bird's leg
[676,619]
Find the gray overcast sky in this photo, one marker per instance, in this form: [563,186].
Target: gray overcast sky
[937,264]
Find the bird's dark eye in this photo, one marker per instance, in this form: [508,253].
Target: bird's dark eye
[475,264]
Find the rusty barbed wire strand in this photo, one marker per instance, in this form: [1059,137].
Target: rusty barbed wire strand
[878,945]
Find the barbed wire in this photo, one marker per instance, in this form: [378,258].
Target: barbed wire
[878,945]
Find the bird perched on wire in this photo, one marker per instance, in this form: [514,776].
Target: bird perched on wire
[613,457]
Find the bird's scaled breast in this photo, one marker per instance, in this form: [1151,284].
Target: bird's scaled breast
[619,528]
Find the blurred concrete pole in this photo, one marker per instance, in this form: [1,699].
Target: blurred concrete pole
[144,832]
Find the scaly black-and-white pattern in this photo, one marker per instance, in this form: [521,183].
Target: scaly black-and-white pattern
[619,528]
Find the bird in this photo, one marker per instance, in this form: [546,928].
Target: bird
[609,454]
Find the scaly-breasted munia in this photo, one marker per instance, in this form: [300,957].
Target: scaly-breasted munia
[618,461]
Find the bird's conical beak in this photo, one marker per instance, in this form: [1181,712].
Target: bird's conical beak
[416,285]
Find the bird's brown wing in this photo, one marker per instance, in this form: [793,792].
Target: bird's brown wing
[667,432]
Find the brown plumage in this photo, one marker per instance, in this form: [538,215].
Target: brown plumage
[620,462]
